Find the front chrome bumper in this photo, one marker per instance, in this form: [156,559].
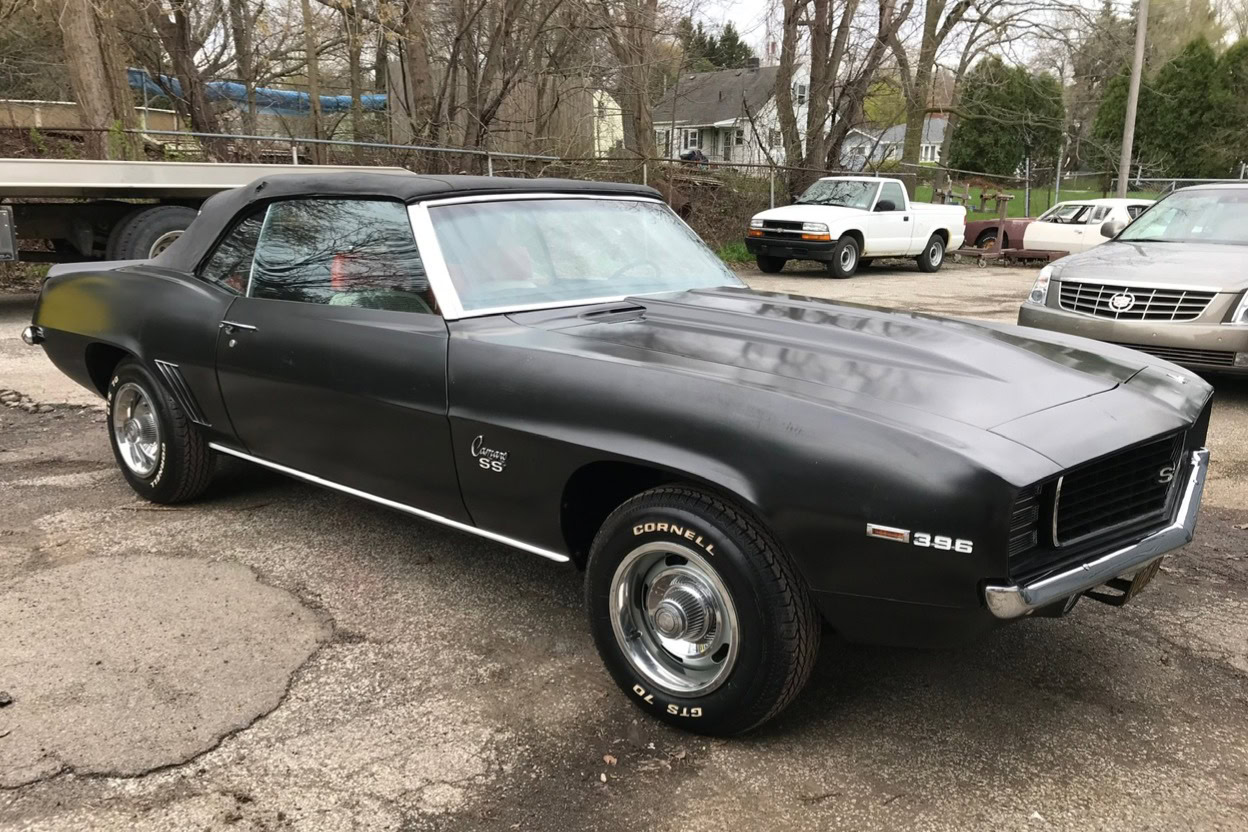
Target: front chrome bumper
[1017,601]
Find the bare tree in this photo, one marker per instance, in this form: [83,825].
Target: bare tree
[241,23]
[630,27]
[98,74]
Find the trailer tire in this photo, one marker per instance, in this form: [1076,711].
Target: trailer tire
[144,234]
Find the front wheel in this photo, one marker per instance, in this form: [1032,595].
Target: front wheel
[844,260]
[160,452]
[933,254]
[697,613]
[770,265]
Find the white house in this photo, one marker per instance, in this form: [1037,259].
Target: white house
[873,147]
[728,114]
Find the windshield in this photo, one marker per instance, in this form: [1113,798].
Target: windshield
[850,193]
[1209,216]
[1068,212]
[557,251]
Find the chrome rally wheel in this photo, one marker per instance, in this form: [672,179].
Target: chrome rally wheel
[673,618]
[698,613]
[136,429]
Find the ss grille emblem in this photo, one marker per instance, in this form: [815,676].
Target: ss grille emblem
[1166,474]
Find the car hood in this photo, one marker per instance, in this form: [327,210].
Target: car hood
[811,213]
[872,358]
[1221,267]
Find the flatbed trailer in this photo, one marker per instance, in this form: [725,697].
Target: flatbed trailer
[101,210]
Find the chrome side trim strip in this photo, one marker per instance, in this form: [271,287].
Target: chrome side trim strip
[425,515]
[1017,601]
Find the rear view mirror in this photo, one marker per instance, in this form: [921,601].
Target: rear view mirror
[885,205]
[1112,228]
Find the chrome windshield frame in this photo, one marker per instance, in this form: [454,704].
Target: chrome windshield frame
[449,302]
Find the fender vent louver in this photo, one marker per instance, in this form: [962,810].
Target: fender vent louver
[181,391]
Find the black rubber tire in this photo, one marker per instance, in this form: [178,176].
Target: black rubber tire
[933,256]
[185,467]
[769,265]
[779,627]
[133,237]
[834,267]
[986,238]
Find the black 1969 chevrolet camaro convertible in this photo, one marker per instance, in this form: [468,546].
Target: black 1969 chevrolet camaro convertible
[563,367]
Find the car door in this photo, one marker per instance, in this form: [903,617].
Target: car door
[1091,229]
[333,362]
[889,229]
[1063,232]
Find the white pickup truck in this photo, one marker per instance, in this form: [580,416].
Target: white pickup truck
[847,221]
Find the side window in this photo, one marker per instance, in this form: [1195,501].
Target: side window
[230,263]
[1099,213]
[892,192]
[341,252]
[1135,210]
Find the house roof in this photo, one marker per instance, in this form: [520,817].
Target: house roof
[933,132]
[705,98]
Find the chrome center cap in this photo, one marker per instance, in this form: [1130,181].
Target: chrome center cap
[682,612]
[131,431]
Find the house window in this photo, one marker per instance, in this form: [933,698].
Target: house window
[800,91]
[773,138]
[740,136]
[927,153]
[662,139]
[692,139]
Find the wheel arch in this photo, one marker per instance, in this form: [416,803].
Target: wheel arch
[101,360]
[597,488]
[858,236]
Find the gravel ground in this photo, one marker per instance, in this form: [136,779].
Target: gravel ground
[277,657]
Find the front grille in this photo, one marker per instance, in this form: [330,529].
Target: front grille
[1124,303]
[1128,487]
[1182,355]
[786,225]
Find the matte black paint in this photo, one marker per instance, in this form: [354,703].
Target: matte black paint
[817,417]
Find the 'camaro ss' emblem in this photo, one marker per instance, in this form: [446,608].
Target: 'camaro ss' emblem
[1122,302]
[1166,474]
[488,458]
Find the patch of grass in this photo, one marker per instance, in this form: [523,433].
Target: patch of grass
[735,252]
[1042,199]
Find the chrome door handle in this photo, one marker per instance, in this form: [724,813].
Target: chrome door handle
[231,326]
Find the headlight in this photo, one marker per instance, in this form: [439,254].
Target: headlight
[1040,291]
[1240,315]
[756,223]
[815,227]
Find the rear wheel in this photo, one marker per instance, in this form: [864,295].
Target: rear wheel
[933,255]
[986,238]
[844,260]
[697,613]
[145,234]
[160,452]
[770,265]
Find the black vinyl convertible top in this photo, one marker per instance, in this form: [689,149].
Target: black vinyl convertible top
[219,210]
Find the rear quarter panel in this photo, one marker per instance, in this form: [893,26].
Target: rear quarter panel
[143,311]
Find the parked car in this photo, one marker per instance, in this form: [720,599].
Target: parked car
[847,221]
[726,465]
[1067,226]
[1174,283]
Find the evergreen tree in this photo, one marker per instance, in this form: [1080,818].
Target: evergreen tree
[1007,115]
[1226,146]
[1176,120]
[730,51]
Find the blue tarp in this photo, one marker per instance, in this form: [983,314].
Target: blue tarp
[268,101]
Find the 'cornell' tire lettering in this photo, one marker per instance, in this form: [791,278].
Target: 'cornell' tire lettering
[680,531]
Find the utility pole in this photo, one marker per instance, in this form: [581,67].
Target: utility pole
[1133,98]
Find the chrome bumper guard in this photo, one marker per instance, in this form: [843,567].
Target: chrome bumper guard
[1017,601]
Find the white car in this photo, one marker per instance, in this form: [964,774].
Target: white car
[1076,226]
[846,221]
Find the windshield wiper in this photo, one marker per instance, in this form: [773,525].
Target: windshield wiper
[1149,240]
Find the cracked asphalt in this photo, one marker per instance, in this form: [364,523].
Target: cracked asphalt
[278,657]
